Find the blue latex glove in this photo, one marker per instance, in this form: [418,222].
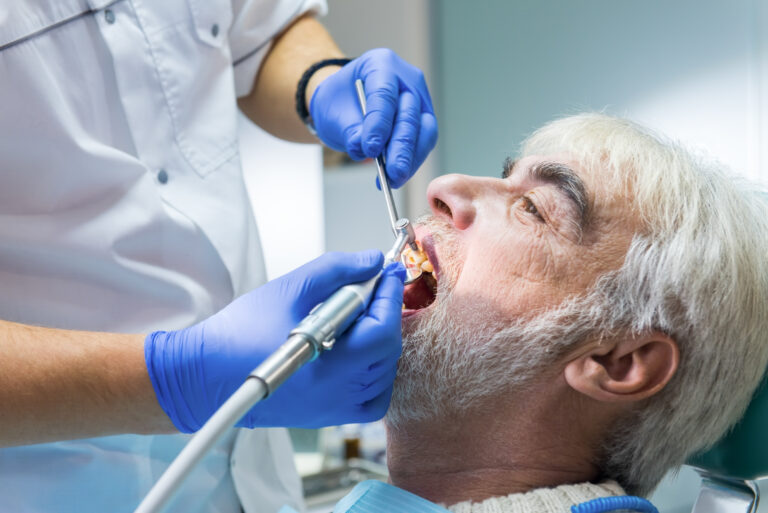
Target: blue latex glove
[400,116]
[194,370]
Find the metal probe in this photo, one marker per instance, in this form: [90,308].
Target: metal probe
[380,167]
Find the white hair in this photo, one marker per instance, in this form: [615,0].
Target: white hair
[696,270]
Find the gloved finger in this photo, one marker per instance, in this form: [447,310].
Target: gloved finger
[383,369]
[427,139]
[364,365]
[382,89]
[387,304]
[318,279]
[377,387]
[376,408]
[357,385]
[376,335]
[353,141]
[402,143]
[423,90]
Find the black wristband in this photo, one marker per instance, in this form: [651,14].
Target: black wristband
[301,89]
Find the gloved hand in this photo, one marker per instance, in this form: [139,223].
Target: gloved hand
[194,370]
[400,116]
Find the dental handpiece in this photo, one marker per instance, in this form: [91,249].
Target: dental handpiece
[316,333]
[383,180]
[333,316]
[405,235]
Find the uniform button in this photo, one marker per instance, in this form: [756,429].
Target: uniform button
[215,30]
[162,176]
[109,16]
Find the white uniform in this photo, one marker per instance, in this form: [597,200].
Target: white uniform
[123,209]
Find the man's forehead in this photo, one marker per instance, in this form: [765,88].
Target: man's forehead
[601,185]
[528,161]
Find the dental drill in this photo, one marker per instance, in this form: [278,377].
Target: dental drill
[316,333]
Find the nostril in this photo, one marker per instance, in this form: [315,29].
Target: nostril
[442,206]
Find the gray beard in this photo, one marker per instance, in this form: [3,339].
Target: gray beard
[463,355]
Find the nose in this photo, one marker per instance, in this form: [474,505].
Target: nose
[451,197]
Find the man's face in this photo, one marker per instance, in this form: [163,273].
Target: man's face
[506,251]
[523,242]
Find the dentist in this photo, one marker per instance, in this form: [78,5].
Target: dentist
[132,291]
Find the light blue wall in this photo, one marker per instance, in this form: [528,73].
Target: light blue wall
[507,66]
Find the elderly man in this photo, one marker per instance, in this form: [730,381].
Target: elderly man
[599,314]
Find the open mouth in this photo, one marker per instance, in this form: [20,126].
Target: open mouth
[422,292]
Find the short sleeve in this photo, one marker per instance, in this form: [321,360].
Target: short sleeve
[255,24]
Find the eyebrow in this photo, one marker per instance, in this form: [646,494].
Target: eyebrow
[564,178]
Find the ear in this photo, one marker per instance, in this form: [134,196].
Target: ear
[630,369]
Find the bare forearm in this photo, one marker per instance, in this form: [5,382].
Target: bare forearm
[61,384]
[271,103]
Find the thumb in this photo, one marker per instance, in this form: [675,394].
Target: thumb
[386,306]
[318,279]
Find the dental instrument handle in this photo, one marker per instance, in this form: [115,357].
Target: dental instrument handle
[316,333]
[380,164]
[334,315]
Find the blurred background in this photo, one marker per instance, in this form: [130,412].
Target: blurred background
[694,70]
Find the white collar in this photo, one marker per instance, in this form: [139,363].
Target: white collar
[542,500]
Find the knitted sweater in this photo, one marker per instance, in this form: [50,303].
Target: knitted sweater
[542,500]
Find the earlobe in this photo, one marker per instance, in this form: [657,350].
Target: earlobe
[631,369]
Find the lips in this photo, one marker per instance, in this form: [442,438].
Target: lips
[421,293]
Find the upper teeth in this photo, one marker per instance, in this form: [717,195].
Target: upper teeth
[417,259]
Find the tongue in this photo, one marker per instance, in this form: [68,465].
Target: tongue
[420,294]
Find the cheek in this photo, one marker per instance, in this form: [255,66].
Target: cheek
[513,275]
[522,256]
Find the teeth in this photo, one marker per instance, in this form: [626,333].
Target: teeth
[417,259]
[413,258]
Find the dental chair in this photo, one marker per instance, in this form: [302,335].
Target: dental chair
[735,471]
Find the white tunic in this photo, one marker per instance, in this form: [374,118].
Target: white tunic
[123,209]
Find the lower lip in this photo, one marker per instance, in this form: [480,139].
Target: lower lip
[410,313]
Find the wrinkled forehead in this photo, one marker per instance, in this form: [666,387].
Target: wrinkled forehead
[624,161]
[599,171]
[606,190]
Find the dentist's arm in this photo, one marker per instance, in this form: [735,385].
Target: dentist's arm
[60,384]
[400,119]
[271,103]
[63,384]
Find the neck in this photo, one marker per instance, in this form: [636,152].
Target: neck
[481,455]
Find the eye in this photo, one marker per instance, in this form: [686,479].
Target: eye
[529,207]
